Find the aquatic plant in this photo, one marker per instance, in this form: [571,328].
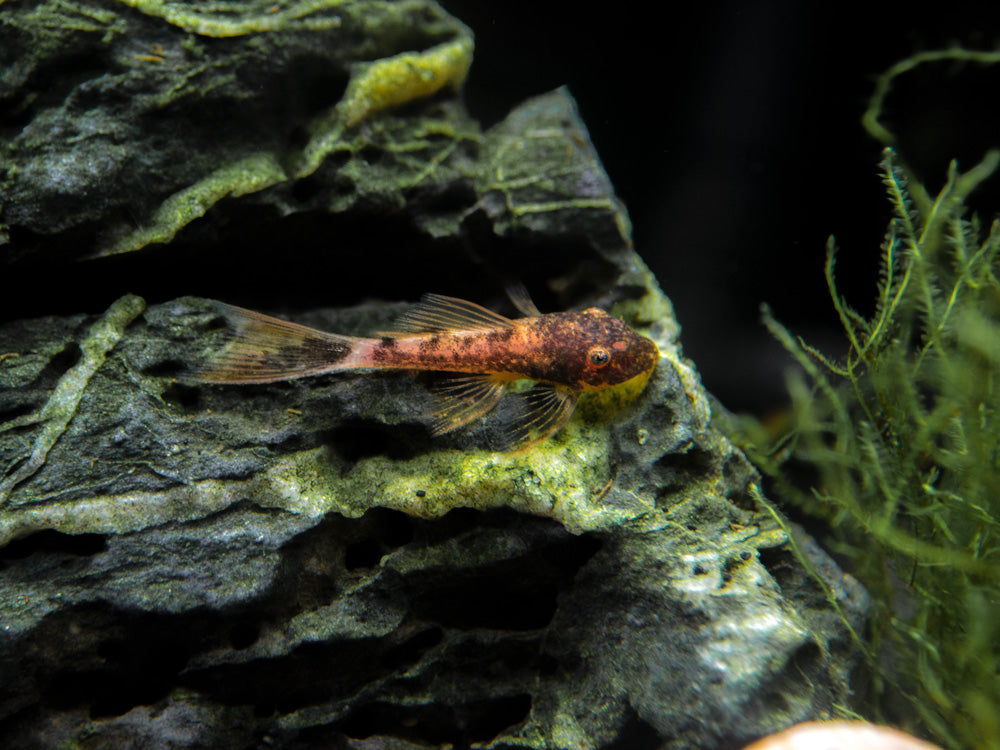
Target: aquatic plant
[900,442]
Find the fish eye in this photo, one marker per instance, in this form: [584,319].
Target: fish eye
[598,356]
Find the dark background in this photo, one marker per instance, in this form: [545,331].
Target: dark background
[732,133]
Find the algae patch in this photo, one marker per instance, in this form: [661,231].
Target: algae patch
[401,78]
[214,20]
[560,481]
[62,404]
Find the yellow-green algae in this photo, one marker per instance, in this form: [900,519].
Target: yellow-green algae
[564,478]
[373,87]
[68,16]
[404,77]
[380,85]
[558,479]
[215,19]
[61,405]
[244,176]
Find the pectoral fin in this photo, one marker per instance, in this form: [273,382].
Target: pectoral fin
[549,407]
[464,399]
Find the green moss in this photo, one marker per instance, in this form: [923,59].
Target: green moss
[903,434]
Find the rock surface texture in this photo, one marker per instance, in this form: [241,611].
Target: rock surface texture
[301,564]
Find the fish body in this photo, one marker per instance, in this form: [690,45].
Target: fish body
[564,353]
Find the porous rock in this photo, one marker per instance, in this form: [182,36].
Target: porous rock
[302,564]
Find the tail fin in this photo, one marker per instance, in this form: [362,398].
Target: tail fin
[265,349]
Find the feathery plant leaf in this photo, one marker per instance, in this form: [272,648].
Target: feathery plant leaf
[894,180]
[904,437]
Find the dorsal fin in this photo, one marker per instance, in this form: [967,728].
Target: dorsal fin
[518,294]
[436,313]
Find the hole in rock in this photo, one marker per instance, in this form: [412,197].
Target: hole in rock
[358,439]
[243,635]
[780,563]
[8,413]
[307,189]
[411,650]
[385,530]
[54,542]
[185,397]
[113,665]
[167,368]
[62,361]
[677,469]
[636,734]
[363,554]
[395,527]
[371,155]
[437,724]
[518,594]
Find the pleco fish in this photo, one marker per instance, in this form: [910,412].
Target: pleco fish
[564,353]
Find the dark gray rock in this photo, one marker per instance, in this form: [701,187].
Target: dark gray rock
[302,564]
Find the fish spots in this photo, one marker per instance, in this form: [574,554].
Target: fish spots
[500,336]
[587,350]
[383,352]
[329,351]
[430,344]
[309,349]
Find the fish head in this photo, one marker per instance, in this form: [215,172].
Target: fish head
[608,352]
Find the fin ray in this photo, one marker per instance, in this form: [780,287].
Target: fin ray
[519,296]
[464,399]
[263,349]
[436,313]
[549,407]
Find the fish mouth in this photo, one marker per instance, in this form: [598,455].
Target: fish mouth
[637,382]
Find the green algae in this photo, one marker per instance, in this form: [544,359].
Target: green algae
[560,480]
[518,193]
[248,175]
[68,16]
[383,84]
[62,404]
[374,87]
[393,81]
[166,62]
[214,19]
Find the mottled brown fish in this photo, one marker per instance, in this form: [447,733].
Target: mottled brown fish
[564,353]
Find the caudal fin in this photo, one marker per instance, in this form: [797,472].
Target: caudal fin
[265,349]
